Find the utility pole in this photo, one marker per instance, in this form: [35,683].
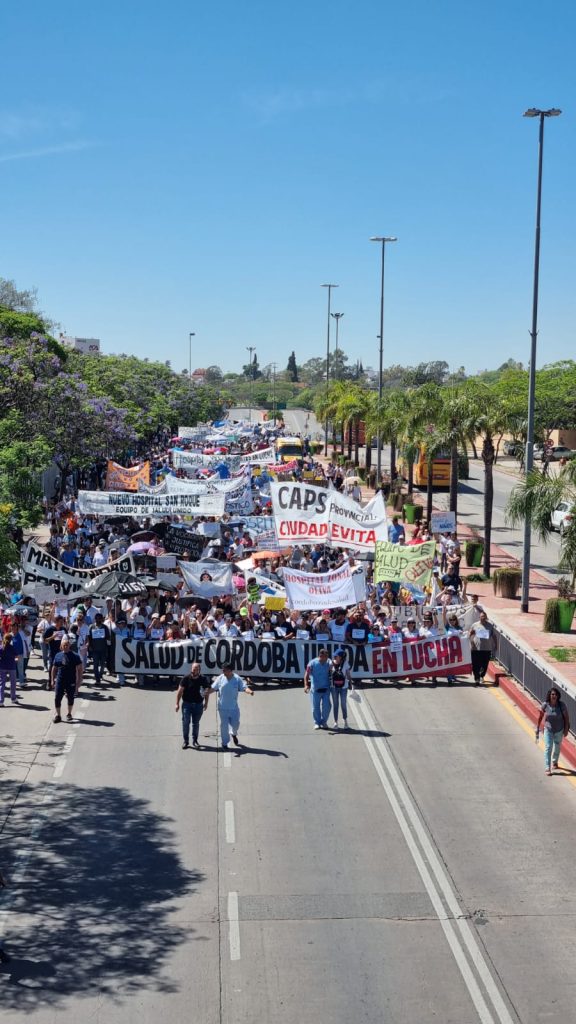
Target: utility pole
[190,336]
[337,317]
[250,349]
[274,393]
[329,287]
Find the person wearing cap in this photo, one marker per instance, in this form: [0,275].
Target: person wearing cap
[98,642]
[428,631]
[101,554]
[341,680]
[156,630]
[228,685]
[209,627]
[338,626]
[453,628]
[317,682]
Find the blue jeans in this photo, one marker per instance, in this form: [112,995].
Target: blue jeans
[320,706]
[191,712]
[229,723]
[552,741]
[340,698]
[99,663]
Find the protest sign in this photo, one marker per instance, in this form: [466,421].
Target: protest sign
[165,561]
[180,541]
[122,478]
[273,603]
[208,579]
[306,514]
[443,522]
[125,503]
[396,562]
[194,460]
[287,659]
[39,569]
[196,433]
[309,591]
[258,457]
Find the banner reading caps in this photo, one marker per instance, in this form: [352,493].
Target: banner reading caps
[124,503]
[308,591]
[306,514]
[39,569]
[396,562]
[287,659]
[122,478]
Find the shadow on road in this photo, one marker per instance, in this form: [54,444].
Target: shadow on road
[94,914]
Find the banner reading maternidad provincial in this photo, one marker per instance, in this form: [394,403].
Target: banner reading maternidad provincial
[126,478]
[305,514]
[39,569]
[124,503]
[307,591]
[397,563]
[287,659]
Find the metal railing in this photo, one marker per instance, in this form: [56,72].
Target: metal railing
[532,674]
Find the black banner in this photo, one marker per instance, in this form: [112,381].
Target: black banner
[177,541]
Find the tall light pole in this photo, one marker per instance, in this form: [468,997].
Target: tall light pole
[337,317]
[329,287]
[190,336]
[529,457]
[274,392]
[382,239]
[250,349]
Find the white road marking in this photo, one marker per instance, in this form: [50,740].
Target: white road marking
[59,767]
[230,823]
[69,742]
[227,759]
[234,927]
[437,887]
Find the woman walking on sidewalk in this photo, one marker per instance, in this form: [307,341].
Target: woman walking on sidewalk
[556,726]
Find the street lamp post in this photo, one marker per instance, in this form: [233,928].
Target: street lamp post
[329,287]
[337,317]
[382,239]
[250,349]
[529,457]
[190,336]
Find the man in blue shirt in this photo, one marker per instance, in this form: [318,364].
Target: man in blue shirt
[228,686]
[317,679]
[395,530]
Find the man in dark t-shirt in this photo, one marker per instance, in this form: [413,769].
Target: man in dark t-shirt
[191,694]
[53,636]
[66,676]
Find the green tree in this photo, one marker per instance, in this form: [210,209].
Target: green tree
[292,368]
[536,498]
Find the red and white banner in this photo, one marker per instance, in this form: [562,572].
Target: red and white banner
[305,514]
[307,591]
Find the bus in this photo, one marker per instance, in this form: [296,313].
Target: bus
[440,468]
[288,448]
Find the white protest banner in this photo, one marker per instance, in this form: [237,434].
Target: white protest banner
[187,460]
[308,591]
[208,579]
[198,433]
[125,503]
[307,514]
[443,522]
[287,659]
[396,562]
[256,458]
[39,569]
[166,561]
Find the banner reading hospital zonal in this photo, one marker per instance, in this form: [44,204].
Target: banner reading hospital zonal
[305,514]
[287,659]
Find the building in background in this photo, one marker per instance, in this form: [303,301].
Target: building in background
[87,346]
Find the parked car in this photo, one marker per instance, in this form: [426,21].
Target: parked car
[555,453]
[512,448]
[561,517]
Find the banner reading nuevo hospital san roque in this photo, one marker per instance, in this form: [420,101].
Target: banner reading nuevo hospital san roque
[125,503]
[287,659]
[305,514]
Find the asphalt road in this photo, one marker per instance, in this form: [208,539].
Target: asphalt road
[297,421]
[471,511]
[419,868]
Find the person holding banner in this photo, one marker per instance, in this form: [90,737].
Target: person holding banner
[317,682]
[341,681]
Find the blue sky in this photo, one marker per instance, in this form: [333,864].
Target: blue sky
[179,167]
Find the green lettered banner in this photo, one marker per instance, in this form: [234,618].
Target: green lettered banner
[397,563]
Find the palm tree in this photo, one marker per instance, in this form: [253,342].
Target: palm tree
[489,420]
[536,497]
[457,424]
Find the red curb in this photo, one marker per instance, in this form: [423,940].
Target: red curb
[528,706]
